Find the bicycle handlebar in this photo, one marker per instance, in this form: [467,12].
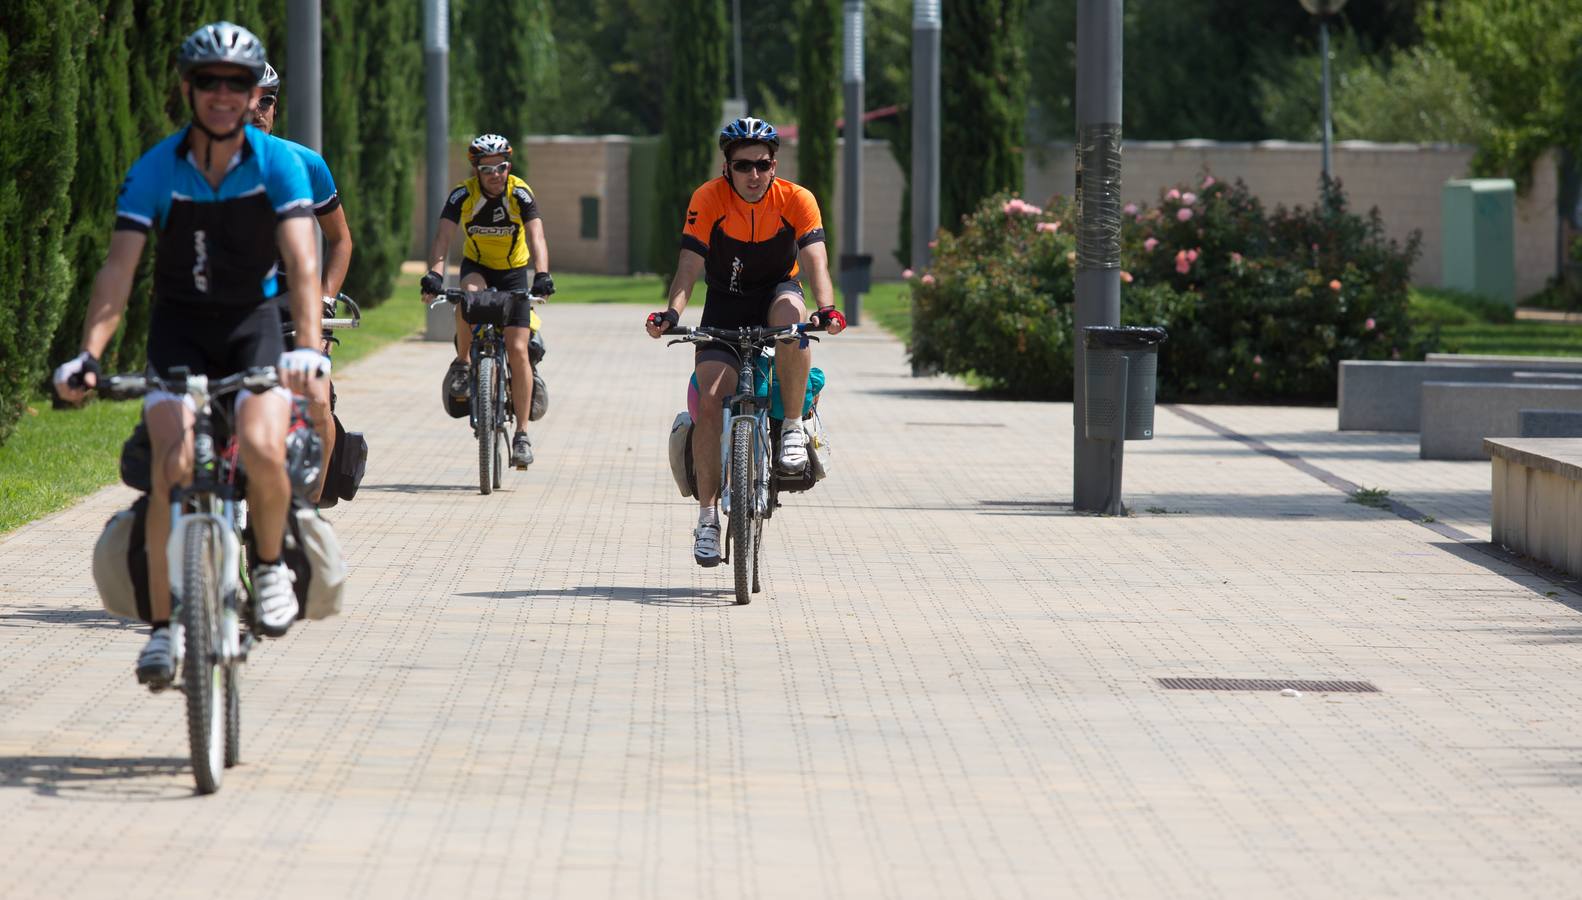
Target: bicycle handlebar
[752,334]
[456,295]
[131,385]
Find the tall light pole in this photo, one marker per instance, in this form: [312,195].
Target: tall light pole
[1096,463]
[1323,9]
[436,78]
[853,264]
[926,25]
[304,25]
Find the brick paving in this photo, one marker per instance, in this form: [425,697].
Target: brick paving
[947,689]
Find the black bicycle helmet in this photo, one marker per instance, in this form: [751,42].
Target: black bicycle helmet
[749,130]
[271,80]
[222,43]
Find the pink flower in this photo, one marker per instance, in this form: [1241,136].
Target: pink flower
[1173,194]
[1150,244]
[1189,198]
[1257,376]
[1235,258]
[1257,359]
[1334,284]
[1130,209]
[1126,277]
[1050,227]
[928,279]
[1183,265]
[1368,325]
[1208,181]
[906,274]
[933,244]
[1184,213]
[1012,206]
[1192,255]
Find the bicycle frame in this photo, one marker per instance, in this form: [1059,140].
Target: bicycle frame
[744,404]
[488,340]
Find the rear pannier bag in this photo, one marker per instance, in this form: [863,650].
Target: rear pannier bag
[681,468]
[313,554]
[120,566]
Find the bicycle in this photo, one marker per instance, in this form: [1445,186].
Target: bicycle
[489,378]
[210,589]
[749,484]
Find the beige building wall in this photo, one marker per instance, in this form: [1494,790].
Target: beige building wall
[1403,180]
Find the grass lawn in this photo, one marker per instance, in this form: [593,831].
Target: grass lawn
[1470,324]
[57,456]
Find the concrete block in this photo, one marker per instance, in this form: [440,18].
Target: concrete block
[1537,509]
[1549,423]
[1383,395]
[1522,363]
[1457,415]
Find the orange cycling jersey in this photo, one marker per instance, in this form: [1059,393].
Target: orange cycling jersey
[749,248]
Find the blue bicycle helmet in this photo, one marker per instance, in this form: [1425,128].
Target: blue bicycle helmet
[749,130]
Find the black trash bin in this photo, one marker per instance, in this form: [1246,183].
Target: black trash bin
[1122,369]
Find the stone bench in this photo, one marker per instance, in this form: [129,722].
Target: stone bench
[1458,415]
[1549,423]
[1537,488]
[1572,363]
[1384,395]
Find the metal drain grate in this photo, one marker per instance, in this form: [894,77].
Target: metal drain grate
[1266,684]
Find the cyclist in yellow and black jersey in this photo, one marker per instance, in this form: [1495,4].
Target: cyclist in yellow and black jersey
[502,235]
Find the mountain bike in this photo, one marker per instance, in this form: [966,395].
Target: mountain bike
[210,589]
[749,489]
[489,378]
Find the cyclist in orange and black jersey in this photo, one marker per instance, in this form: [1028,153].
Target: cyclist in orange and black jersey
[750,235]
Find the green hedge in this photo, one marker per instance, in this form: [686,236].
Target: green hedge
[1260,306]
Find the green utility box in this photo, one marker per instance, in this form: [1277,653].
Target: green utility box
[1478,237]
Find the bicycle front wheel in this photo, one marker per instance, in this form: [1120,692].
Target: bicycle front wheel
[744,549]
[233,716]
[484,394]
[203,673]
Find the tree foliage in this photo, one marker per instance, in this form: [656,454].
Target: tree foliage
[694,95]
[818,95]
[983,103]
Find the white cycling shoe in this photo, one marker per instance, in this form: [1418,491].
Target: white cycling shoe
[274,599]
[706,544]
[793,449]
[160,658]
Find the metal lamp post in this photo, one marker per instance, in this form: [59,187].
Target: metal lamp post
[853,263]
[926,24]
[1323,9]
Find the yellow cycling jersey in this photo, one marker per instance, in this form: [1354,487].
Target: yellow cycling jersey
[494,229]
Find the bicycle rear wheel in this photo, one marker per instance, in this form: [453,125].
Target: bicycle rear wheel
[487,449]
[203,673]
[744,550]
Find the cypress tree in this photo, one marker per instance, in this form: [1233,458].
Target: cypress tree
[694,98]
[983,103]
[818,92]
[40,45]
[513,52]
[107,139]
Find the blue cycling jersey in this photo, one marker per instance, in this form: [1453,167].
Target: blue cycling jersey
[325,196]
[217,245]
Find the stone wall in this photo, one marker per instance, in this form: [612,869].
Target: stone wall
[1402,180]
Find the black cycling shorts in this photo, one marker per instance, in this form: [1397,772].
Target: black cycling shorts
[516,279]
[215,342]
[723,310]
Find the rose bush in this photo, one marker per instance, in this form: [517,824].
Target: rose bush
[1259,305]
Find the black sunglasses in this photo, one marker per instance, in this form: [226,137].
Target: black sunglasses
[267,100]
[747,165]
[208,81]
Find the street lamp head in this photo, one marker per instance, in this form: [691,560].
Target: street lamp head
[1323,8]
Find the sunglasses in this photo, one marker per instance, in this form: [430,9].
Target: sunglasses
[267,101]
[496,169]
[208,81]
[747,165]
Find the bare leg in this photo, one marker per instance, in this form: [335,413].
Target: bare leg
[516,341]
[261,425]
[716,381]
[170,433]
[324,424]
[791,362]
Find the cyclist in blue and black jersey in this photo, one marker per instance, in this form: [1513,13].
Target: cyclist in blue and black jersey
[331,216]
[222,196]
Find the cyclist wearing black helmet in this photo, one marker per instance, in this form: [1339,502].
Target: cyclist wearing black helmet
[750,235]
[331,216]
[221,196]
[502,234]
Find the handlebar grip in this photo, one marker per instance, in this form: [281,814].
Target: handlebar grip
[123,387]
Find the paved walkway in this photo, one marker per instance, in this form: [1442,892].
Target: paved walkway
[948,690]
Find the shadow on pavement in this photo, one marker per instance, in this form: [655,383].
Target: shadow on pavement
[1524,572]
[44,615]
[114,779]
[648,595]
[418,488]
